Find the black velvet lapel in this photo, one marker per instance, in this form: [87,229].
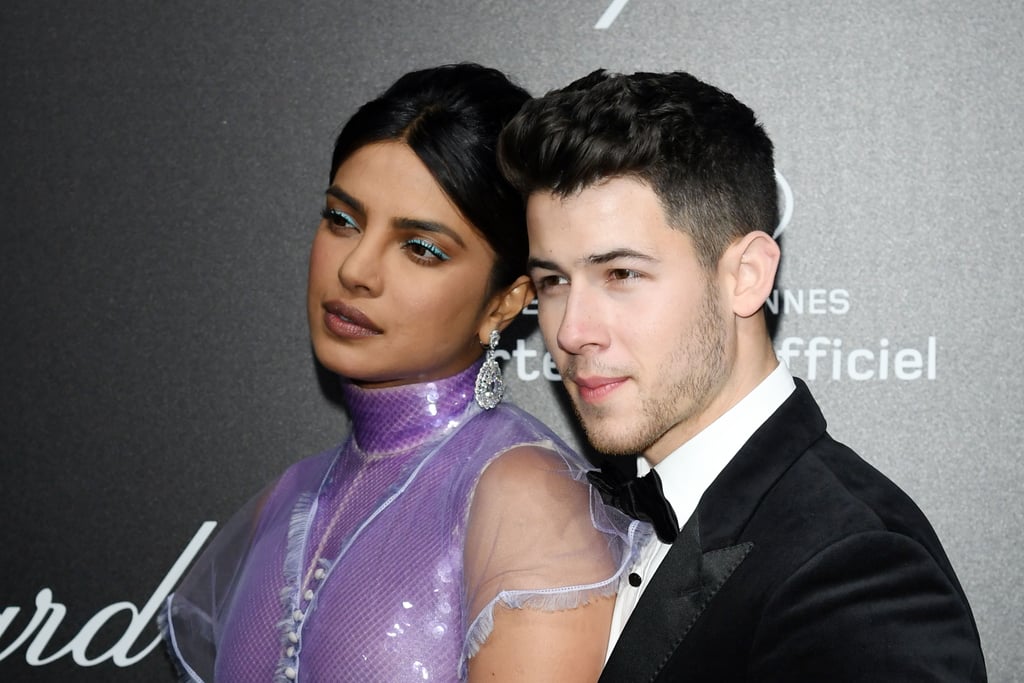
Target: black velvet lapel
[679,591]
[733,498]
[689,578]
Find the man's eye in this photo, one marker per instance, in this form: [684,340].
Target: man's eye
[623,274]
[548,281]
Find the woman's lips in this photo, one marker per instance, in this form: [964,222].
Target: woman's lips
[348,321]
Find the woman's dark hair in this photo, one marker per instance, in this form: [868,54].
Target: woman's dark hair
[450,116]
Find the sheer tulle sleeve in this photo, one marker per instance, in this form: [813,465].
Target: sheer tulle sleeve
[195,610]
[538,537]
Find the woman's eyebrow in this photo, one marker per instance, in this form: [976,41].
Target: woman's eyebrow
[428,226]
[341,195]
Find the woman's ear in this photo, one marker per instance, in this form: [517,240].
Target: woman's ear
[752,262]
[505,305]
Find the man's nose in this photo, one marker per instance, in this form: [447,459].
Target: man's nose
[581,329]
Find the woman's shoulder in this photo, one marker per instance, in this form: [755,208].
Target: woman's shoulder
[535,480]
[513,426]
[303,475]
[312,463]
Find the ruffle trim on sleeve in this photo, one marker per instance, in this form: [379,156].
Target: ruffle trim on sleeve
[166,628]
[552,599]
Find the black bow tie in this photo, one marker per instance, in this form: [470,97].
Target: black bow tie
[639,497]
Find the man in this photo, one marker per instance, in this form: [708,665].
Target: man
[780,554]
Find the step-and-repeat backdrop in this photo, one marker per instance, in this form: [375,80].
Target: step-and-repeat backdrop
[161,172]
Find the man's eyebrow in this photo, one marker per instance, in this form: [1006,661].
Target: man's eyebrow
[536,263]
[593,259]
[343,196]
[614,254]
[429,226]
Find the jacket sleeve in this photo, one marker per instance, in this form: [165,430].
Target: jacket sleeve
[874,606]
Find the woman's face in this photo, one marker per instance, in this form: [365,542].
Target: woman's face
[397,277]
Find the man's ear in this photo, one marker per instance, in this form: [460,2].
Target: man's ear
[505,305]
[751,263]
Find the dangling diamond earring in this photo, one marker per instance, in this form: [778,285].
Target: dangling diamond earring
[489,386]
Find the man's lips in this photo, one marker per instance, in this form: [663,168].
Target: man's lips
[593,389]
[348,321]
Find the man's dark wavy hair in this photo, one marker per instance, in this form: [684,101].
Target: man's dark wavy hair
[701,150]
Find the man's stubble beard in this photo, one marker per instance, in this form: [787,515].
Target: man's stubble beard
[701,357]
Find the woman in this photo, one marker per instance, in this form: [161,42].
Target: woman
[450,536]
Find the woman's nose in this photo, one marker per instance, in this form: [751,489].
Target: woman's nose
[360,270]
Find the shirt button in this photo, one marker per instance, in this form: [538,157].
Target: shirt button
[308,595]
[319,574]
[635,580]
[297,615]
[290,652]
[293,637]
[289,673]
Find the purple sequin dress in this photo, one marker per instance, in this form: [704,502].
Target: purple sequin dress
[354,565]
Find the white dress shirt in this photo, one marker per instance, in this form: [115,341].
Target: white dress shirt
[689,470]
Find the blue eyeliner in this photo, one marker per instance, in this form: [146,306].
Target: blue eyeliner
[431,247]
[338,217]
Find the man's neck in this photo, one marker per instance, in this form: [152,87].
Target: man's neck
[743,380]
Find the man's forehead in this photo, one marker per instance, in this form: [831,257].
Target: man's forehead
[622,209]
[598,194]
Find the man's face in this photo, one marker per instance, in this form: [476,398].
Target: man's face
[634,323]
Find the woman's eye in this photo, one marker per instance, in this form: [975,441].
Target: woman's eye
[423,250]
[338,219]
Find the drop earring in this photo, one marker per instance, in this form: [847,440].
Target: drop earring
[489,386]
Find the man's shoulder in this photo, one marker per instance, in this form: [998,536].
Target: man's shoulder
[830,499]
[821,487]
[830,492]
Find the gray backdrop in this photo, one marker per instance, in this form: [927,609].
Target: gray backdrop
[162,171]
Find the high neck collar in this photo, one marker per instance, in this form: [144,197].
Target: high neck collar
[396,419]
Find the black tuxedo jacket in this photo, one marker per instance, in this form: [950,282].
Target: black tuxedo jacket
[801,563]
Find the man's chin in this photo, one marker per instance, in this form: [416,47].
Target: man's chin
[610,441]
[604,432]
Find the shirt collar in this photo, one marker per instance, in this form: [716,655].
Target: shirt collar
[689,470]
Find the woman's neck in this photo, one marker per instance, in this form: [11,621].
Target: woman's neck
[395,419]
